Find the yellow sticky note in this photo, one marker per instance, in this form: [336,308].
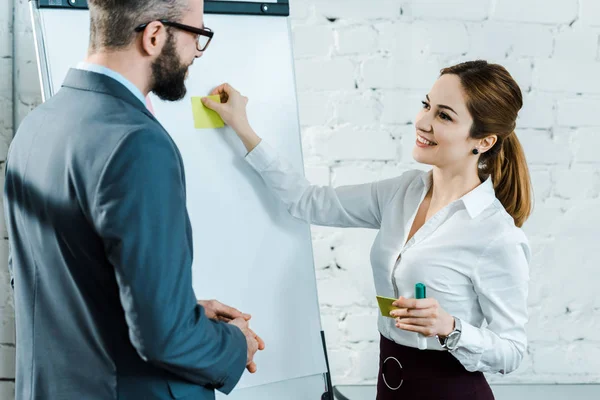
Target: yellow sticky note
[205,118]
[385,305]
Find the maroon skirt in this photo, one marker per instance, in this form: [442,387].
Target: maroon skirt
[413,374]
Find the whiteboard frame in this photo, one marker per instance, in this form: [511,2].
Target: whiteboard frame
[278,8]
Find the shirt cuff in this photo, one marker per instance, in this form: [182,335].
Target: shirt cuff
[470,347]
[470,338]
[261,157]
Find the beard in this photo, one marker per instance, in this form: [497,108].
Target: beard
[169,73]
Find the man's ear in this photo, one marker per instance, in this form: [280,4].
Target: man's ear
[154,38]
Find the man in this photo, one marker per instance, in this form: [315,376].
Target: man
[101,243]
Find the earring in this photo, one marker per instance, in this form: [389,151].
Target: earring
[475,151]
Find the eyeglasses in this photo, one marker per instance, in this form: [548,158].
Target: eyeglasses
[204,35]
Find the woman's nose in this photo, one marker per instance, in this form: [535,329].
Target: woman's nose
[423,122]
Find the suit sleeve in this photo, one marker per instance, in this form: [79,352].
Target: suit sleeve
[140,212]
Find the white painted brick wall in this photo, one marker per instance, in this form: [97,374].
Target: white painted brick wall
[536,11]
[360,39]
[421,38]
[584,142]
[505,39]
[7,333]
[356,10]
[578,112]
[362,69]
[458,10]
[390,73]
[322,75]
[551,48]
[590,12]
[567,76]
[578,43]
[537,112]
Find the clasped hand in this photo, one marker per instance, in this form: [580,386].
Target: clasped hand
[218,311]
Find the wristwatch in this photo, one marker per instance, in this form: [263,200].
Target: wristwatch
[450,342]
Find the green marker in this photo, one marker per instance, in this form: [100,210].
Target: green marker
[420,293]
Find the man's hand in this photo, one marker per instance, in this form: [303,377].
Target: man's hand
[255,343]
[218,311]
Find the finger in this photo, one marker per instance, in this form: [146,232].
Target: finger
[403,302]
[413,312]
[218,90]
[251,367]
[261,343]
[253,334]
[247,317]
[416,321]
[213,105]
[400,312]
[414,328]
[224,88]
[240,323]
[227,311]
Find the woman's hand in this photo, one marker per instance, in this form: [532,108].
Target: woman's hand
[232,110]
[424,316]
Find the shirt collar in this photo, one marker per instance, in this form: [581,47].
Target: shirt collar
[479,198]
[476,200]
[100,69]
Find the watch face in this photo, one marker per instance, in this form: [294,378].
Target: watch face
[452,340]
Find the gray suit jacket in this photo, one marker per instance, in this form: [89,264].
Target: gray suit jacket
[101,255]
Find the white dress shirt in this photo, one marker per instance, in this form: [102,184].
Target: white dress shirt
[470,255]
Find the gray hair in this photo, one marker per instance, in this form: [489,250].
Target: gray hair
[113,22]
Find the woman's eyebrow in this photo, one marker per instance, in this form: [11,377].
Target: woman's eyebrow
[442,105]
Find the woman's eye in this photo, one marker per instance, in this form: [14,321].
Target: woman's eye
[445,116]
[425,104]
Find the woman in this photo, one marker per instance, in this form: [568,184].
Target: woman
[455,228]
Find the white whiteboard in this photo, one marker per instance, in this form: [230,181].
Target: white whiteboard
[248,251]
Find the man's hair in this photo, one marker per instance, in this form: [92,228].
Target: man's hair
[113,22]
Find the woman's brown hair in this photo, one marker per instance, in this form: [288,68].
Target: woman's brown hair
[494,100]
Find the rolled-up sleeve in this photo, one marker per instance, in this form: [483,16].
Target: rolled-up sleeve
[501,281]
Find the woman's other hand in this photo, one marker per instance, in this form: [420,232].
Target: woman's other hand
[424,316]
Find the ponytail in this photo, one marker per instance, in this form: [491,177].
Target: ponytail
[494,100]
[510,175]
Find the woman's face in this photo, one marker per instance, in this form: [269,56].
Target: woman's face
[443,126]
